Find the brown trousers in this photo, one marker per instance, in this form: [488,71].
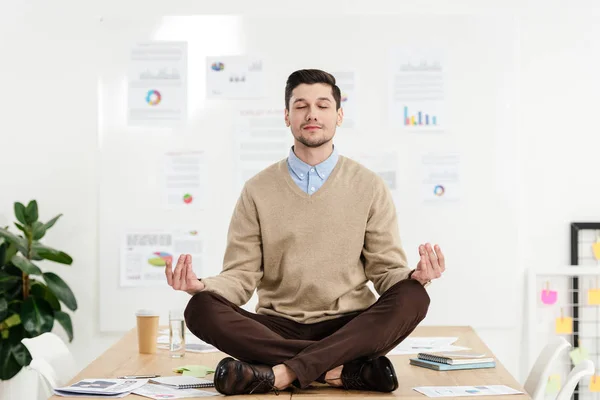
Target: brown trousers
[310,350]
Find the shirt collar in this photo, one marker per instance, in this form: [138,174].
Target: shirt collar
[300,168]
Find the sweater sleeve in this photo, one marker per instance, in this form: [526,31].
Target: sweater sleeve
[242,263]
[384,258]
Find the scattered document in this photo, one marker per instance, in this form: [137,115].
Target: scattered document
[184,180]
[105,388]
[192,343]
[144,255]
[260,139]
[416,90]
[157,87]
[234,77]
[440,177]
[415,345]
[457,391]
[165,392]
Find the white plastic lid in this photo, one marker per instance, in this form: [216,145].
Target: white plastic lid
[146,313]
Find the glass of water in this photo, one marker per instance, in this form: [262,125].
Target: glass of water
[176,334]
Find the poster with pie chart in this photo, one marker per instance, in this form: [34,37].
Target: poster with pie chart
[184,179]
[145,254]
[440,180]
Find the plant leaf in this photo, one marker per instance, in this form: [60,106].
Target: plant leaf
[20,242]
[21,354]
[20,212]
[22,229]
[13,320]
[7,282]
[51,223]
[38,289]
[51,254]
[25,265]
[65,320]
[61,290]
[38,230]
[31,212]
[3,308]
[37,316]
[9,367]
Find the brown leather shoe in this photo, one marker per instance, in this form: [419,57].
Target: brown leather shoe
[377,375]
[237,377]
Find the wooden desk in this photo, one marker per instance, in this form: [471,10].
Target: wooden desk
[124,359]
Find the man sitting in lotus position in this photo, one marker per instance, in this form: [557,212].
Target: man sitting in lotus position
[308,233]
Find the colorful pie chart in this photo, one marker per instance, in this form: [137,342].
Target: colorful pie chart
[153,97]
[439,190]
[159,259]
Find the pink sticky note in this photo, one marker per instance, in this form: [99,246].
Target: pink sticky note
[549,296]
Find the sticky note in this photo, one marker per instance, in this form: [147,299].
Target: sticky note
[564,325]
[549,296]
[199,371]
[578,354]
[594,296]
[595,384]
[596,250]
[553,385]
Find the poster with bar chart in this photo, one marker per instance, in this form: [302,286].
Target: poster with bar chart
[416,83]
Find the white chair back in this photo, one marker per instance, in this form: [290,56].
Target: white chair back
[535,385]
[580,371]
[51,359]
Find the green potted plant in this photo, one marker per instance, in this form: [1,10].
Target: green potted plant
[30,300]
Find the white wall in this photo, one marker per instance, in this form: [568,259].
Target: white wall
[48,126]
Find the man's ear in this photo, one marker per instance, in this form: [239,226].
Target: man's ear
[286,114]
[340,117]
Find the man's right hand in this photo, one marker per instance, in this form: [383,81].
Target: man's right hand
[184,278]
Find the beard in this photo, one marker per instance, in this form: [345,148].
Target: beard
[313,142]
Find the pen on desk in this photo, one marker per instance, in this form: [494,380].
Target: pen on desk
[138,376]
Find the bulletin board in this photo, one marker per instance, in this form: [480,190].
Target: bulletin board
[476,227]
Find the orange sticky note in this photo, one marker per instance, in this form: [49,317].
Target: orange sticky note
[564,325]
[595,383]
[594,296]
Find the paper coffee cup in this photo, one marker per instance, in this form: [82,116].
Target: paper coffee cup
[147,331]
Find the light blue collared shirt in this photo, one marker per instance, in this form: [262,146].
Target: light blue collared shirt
[310,178]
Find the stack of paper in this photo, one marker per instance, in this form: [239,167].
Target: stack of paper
[192,343]
[415,345]
[105,388]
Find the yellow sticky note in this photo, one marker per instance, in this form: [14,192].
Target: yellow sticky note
[564,325]
[596,250]
[553,385]
[594,296]
[595,384]
[578,354]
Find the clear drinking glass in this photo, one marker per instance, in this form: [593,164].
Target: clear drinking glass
[176,334]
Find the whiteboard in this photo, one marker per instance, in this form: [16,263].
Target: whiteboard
[478,233]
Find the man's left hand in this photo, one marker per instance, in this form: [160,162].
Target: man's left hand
[432,264]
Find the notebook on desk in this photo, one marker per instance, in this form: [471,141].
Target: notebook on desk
[455,358]
[183,382]
[447,367]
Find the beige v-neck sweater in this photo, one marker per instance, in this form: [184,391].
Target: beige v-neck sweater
[310,256]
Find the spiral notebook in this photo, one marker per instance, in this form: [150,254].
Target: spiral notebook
[456,358]
[183,382]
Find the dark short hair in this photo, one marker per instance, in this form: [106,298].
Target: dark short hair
[311,76]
